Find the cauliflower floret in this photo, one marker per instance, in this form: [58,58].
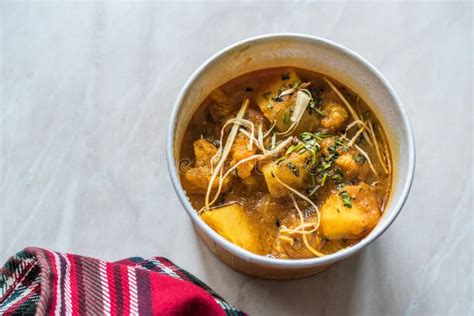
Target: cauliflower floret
[333,145]
[353,164]
[240,150]
[291,171]
[350,214]
[198,178]
[203,150]
[335,117]
[349,160]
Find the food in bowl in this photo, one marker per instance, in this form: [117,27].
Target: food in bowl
[287,163]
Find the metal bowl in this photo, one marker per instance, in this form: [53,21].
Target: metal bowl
[319,55]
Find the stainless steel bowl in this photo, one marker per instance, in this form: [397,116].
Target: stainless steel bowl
[319,55]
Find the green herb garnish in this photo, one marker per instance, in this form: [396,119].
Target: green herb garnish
[341,144]
[296,85]
[338,176]
[293,168]
[323,180]
[313,190]
[279,160]
[359,158]
[340,185]
[286,117]
[346,199]
[320,112]
[295,148]
[315,105]
[338,144]
[325,166]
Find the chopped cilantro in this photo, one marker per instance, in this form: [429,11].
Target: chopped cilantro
[359,158]
[295,148]
[279,160]
[286,117]
[296,85]
[323,180]
[293,168]
[320,112]
[340,185]
[338,176]
[325,166]
[313,190]
[315,106]
[346,199]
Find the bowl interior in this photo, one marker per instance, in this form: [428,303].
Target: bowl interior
[323,57]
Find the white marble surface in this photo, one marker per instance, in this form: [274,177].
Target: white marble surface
[86,91]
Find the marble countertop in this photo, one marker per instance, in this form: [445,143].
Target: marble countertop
[86,92]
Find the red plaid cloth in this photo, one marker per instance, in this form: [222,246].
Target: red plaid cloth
[39,281]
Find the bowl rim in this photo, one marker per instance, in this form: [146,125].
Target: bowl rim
[290,263]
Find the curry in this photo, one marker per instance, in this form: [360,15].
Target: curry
[287,163]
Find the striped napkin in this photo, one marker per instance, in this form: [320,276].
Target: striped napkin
[44,282]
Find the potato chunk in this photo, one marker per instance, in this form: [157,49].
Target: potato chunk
[270,89]
[291,171]
[335,117]
[308,122]
[198,178]
[342,222]
[282,109]
[232,223]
